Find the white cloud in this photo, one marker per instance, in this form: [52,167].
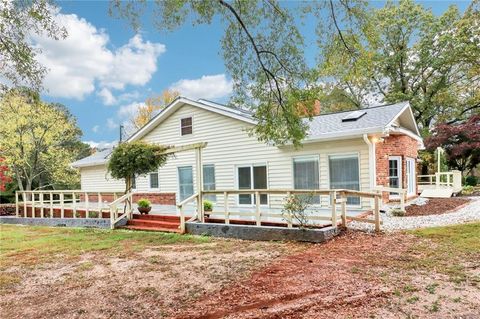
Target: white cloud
[107,96]
[129,110]
[101,144]
[207,87]
[96,129]
[111,124]
[83,60]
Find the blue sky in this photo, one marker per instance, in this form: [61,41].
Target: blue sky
[104,70]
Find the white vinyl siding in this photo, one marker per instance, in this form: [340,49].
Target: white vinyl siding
[230,146]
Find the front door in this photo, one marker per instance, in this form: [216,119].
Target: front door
[394,173]
[410,176]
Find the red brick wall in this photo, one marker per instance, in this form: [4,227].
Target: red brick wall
[394,145]
[154,198]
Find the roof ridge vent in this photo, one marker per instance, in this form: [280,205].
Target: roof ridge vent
[353,116]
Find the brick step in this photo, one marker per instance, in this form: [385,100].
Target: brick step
[153,223]
[145,228]
[166,218]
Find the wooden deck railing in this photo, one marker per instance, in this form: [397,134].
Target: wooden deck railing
[50,201]
[451,179]
[337,199]
[126,200]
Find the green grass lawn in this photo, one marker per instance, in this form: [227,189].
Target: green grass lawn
[465,238]
[23,245]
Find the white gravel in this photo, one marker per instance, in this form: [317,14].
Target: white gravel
[469,213]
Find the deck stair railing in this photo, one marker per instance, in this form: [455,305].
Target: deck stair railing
[337,199]
[126,210]
[452,179]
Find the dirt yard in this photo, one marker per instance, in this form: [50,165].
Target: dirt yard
[429,274]
[436,206]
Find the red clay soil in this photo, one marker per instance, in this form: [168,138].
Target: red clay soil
[436,206]
[328,280]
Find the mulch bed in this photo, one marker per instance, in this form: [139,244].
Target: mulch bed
[436,206]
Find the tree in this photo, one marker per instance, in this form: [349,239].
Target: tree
[132,159]
[461,143]
[38,141]
[404,52]
[262,49]
[4,178]
[152,106]
[19,20]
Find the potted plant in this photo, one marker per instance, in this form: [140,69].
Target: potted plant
[207,207]
[144,206]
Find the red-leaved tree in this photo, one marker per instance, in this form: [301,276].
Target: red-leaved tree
[461,143]
[4,178]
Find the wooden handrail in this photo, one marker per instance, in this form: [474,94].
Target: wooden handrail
[182,212]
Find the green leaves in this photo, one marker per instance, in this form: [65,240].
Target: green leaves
[132,159]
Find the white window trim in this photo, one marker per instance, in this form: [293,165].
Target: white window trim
[251,180]
[400,174]
[346,155]
[178,180]
[407,159]
[180,126]
[307,157]
[150,184]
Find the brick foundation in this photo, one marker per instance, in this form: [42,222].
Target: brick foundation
[154,198]
[394,145]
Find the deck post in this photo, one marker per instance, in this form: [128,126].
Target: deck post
[99,198]
[33,204]
[257,208]
[41,205]
[51,205]
[86,205]
[377,213]
[74,204]
[402,199]
[333,201]
[24,204]
[199,179]
[289,216]
[62,205]
[225,205]
[17,208]
[344,210]
[182,220]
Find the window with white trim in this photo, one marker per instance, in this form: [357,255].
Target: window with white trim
[345,174]
[134,182]
[209,181]
[252,177]
[185,182]
[154,180]
[186,125]
[306,174]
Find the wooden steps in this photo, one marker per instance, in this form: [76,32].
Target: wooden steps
[164,223]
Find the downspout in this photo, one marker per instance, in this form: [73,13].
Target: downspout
[371,161]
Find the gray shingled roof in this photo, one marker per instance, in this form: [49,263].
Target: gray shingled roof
[322,126]
[376,118]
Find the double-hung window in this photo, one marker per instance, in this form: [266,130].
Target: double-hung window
[344,174]
[185,182]
[306,174]
[154,180]
[252,177]
[186,126]
[209,181]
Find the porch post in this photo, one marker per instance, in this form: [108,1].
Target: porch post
[199,179]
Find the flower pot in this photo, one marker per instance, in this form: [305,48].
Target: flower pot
[144,210]
[207,213]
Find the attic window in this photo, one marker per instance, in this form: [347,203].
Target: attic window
[354,116]
[186,125]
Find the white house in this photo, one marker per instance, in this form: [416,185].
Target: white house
[353,150]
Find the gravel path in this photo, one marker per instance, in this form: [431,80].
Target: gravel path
[469,213]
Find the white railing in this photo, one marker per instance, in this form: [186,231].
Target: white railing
[126,200]
[48,203]
[451,179]
[337,199]
[181,207]
[402,193]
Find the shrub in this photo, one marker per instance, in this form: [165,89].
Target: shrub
[295,207]
[207,205]
[93,214]
[397,212]
[467,190]
[471,180]
[143,203]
